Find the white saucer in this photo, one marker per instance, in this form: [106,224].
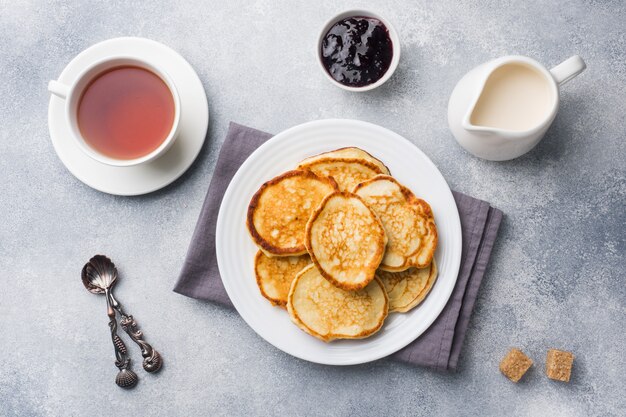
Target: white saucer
[141,179]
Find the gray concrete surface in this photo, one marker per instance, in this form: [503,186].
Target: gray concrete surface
[557,274]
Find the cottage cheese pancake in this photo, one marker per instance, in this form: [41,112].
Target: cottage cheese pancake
[347,172]
[407,289]
[346,240]
[279,211]
[275,274]
[348,153]
[408,222]
[327,312]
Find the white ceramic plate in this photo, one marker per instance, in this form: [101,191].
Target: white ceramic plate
[235,250]
[145,178]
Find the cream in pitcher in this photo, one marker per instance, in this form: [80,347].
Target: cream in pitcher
[515,97]
[501,109]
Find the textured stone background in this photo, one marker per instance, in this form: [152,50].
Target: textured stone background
[556,278]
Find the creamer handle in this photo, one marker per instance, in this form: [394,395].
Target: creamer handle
[568,69]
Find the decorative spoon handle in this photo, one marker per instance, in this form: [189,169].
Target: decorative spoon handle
[125,378]
[152,360]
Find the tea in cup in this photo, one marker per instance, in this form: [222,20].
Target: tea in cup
[122,111]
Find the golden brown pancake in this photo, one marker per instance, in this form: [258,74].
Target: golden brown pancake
[348,153]
[327,312]
[408,222]
[280,209]
[274,275]
[346,240]
[347,172]
[407,289]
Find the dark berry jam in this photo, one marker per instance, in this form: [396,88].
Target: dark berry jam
[357,51]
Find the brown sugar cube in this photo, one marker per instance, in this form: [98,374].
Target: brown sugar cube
[515,364]
[559,365]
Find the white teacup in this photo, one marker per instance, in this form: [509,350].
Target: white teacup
[72,93]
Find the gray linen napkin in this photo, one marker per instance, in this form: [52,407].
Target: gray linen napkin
[439,347]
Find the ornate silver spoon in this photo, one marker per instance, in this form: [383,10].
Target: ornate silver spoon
[98,279]
[152,360]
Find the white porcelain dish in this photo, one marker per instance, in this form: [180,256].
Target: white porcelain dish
[235,250]
[149,176]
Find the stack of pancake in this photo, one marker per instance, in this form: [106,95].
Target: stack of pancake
[342,244]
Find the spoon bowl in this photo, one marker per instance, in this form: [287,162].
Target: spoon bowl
[99,274]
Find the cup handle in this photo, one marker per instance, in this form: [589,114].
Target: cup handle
[58,89]
[568,69]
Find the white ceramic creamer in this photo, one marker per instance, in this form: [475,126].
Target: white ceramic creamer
[501,109]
